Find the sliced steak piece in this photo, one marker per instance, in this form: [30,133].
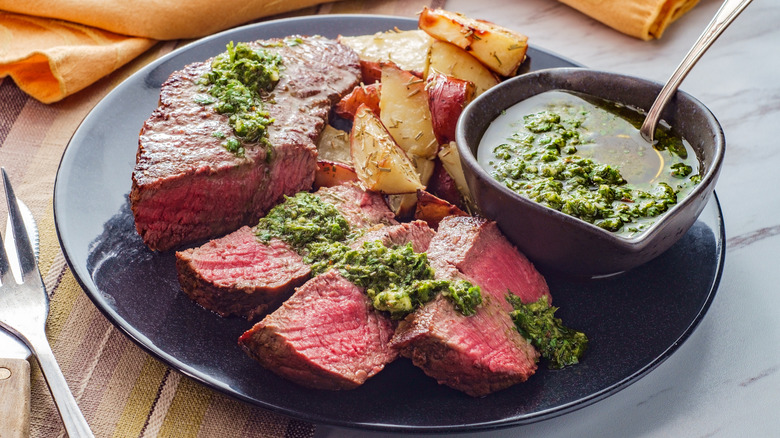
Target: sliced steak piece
[483,353]
[187,187]
[417,232]
[475,248]
[477,354]
[327,335]
[240,275]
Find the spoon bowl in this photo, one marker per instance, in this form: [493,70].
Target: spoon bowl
[561,243]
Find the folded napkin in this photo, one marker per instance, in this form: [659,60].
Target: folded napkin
[644,19]
[54,48]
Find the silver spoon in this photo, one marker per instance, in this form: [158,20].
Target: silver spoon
[725,15]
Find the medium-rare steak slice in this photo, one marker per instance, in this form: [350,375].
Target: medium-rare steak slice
[416,232]
[188,187]
[477,354]
[483,353]
[327,335]
[240,275]
[475,248]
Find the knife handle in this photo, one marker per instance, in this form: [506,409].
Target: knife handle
[15,399]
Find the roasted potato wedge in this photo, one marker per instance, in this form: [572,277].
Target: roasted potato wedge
[450,159]
[500,49]
[381,165]
[331,173]
[432,210]
[443,186]
[456,62]
[424,168]
[333,146]
[334,158]
[362,95]
[408,49]
[403,206]
[447,96]
[403,108]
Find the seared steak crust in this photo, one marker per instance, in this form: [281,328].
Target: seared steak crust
[187,187]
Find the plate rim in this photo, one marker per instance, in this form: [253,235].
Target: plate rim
[146,344]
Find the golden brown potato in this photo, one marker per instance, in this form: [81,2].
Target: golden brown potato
[500,49]
[362,95]
[403,108]
[381,165]
[408,49]
[432,210]
[456,62]
[447,96]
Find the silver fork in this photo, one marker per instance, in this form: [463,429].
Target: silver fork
[23,311]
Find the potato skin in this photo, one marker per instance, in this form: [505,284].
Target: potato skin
[447,96]
[362,95]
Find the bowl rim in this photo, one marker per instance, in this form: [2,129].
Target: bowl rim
[634,243]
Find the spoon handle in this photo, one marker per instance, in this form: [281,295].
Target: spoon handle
[725,15]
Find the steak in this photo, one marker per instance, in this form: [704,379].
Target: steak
[477,354]
[240,275]
[327,335]
[188,187]
[417,232]
[476,249]
[483,353]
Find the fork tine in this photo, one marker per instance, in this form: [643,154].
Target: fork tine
[23,246]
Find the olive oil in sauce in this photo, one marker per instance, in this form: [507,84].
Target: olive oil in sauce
[585,157]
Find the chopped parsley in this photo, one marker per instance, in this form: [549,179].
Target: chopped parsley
[302,220]
[536,322]
[397,280]
[235,85]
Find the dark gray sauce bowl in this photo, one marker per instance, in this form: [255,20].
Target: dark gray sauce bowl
[559,243]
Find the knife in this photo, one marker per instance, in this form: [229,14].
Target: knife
[14,355]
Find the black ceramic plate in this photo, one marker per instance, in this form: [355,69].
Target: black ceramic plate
[634,320]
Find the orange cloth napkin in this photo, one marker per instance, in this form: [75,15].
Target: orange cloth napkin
[644,19]
[54,48]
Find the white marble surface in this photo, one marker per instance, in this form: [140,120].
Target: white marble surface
[724,381]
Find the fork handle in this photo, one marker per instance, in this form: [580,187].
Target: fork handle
[75,424]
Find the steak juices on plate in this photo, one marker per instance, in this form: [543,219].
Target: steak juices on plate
[188,187]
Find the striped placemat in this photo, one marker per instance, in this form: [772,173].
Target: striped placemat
[122,391]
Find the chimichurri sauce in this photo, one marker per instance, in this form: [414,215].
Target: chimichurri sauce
[397,280]
[234,86]
[586,158]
